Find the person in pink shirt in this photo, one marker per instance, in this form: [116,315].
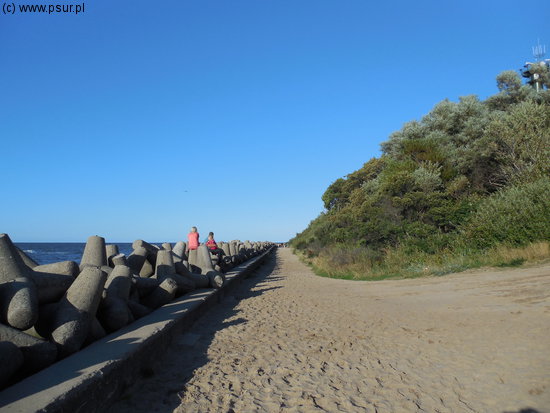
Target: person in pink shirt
[212,245]
[193,239]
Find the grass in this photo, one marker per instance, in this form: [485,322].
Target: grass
[351,263]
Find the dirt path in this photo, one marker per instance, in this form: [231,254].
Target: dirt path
[291,341]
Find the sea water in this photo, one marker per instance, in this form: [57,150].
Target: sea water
[48,252]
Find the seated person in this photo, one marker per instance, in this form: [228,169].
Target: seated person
[213,247]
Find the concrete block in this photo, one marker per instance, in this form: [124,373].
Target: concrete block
[96,332]
[167,246]
[119,259]
[37,354]
[204,259]
[11,263]
[92,379]
[110,251]
[163,294]
[200,280]
[166,269]
[136,259]
[138,310]
[113,314]
[29,262]
[148,269]
[232,248]
[179,251]
[51,287]
[216,278]
[144,286]
[19,303]
[119,283]
[63,267]
[164,265]
[225,249]
[113,310]
[44,325]
[94,253]
[152,250]
[182,268]
[74,314]
[11,359]
[193,258]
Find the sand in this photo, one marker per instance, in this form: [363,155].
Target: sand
[289,341]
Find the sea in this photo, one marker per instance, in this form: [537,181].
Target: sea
[48,252]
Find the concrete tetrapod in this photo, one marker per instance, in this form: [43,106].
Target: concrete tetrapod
[11,263]
[225,249]
[96,332]
[119,259]
[73,318]
[51,287]
[148,269]
[63,267]
[94,253]
[37,353]
[216,278]
[136,259]
[199,280]
[19,299]
[110,251]
[163,294]
[11,359]
[143,285]
[179,252]
[138,310]
[19,303]
[29,262]
[113,310]
[233,250]
[193,261]
[165,269]
[151,250]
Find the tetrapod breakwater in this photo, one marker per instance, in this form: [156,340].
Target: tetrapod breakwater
[72,335]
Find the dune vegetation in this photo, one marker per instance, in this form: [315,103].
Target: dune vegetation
[466,186]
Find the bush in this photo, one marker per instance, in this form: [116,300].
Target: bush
[514,216]
[468,178]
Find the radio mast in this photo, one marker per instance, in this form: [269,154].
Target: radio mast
[532,70]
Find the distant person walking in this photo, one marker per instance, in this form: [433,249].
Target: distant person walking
[193,239]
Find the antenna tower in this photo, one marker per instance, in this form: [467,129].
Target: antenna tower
[539,51]
[531,68]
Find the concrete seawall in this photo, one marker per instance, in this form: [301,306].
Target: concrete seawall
[92,378]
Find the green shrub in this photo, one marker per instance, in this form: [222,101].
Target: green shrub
[514,216]
[449,190]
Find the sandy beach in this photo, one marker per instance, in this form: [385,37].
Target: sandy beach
[289,341]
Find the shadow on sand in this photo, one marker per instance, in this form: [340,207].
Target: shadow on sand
[189,350]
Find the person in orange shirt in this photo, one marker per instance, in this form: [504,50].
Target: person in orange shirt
[193,239]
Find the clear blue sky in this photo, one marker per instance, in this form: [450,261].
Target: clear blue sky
[139,119]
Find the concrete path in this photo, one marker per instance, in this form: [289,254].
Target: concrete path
[289,341]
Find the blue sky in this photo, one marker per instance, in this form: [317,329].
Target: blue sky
[139,119]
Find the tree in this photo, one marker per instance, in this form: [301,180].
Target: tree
[508,82]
